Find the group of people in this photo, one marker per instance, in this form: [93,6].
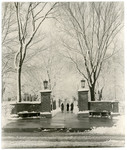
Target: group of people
[67,107]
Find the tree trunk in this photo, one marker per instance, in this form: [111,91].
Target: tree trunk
[92,92]
[19,97]
[3,90]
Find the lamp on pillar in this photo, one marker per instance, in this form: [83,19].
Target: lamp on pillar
[83,83]
[45,84]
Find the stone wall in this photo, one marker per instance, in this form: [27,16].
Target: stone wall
[103,106]
[43,106]
[25,107]
[93,105]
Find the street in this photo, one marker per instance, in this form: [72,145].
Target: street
[60,140]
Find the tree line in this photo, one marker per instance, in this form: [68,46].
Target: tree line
[88,38]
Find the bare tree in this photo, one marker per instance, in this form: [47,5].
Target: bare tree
[8,43]
[53,68]
[91,29]
[30,17]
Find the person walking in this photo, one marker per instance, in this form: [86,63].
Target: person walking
[67,107]
[62,107]
[72,107]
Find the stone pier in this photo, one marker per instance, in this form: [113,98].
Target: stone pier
[83,103]
[45,108]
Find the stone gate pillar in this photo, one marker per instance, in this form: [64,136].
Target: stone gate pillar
[45,107]
[83,99]
[83,103]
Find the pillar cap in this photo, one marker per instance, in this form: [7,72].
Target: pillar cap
[83,112]
[45,91]
[83,90]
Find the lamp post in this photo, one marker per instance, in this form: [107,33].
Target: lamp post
[83,83]
[45,84]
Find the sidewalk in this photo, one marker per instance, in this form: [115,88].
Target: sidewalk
[60,120]
[69,120]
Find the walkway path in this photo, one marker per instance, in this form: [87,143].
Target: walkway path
[69,120]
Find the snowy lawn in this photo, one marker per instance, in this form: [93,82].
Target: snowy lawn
[118,128]
[6,112]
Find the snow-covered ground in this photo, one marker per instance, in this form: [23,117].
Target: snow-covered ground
[54,112]
[6,112]
[118,128]
[76,110]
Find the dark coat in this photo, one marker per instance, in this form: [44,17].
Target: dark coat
[67,107]
[62,107]
[72,106]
